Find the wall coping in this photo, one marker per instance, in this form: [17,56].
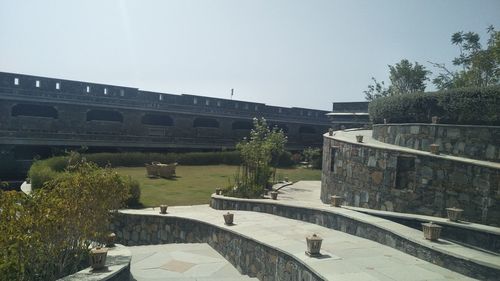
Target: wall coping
[342,136]
[422,218]
[404,232]
[117,261]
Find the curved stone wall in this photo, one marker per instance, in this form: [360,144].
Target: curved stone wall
[476,142]
[386,233]
[404,180]
[247,255]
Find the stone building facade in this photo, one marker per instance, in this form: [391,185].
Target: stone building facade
[38,111]
[407,180]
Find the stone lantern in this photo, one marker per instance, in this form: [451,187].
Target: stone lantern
[313,245]
[454,214]
[228,218]
[432,231]
[336,200]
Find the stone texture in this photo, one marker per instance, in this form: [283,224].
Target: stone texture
[476,142]
[429,187]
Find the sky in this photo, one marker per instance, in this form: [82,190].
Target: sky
[306,53]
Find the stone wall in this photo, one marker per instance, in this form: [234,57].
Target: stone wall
[467,266]
[247,255]
[396,180]
[476,142]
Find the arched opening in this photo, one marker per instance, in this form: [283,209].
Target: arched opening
[282,127]
[307,130]
[242,125]
[157,120]
[205,123]
[34,110]
[104,115]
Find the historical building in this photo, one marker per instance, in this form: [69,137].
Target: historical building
[38,112]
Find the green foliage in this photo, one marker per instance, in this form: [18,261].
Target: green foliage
[472,106]
[46,235]
[478,67]
[313,156]
[134,188]
[41,172]
[257,154]
[405,78]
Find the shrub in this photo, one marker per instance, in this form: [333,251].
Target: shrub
[40,173]
[47,234]
[471,106]
[134,188]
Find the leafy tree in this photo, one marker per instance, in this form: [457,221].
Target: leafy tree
[257,153]
[376,90]
[405,78]
[478,67]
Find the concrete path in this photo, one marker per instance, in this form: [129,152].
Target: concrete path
[345,257]
[183,262]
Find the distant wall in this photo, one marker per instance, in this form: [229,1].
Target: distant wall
[399,181]
[56,112]
[477,142]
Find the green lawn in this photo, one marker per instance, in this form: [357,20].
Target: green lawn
[194,184]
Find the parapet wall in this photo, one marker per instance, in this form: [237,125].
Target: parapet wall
[405,180]
[250,257]
[476,142]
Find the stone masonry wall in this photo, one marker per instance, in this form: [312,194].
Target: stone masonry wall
[247,255]
[368,177]
[372,232]
[476,142]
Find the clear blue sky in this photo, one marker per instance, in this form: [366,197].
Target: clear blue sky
[290,53]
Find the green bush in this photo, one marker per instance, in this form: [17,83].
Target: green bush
[41,172]
[468,106]
[135,192]
[47,235]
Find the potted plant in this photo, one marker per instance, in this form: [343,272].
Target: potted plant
[313,245]
[330,132]
[218,191]
[359,138]
[431,231]
[98,257]
[336,200]
[435,119]
[163,209]
[434,148]
[454,214]
[110,240]
[274,195]
[228,218]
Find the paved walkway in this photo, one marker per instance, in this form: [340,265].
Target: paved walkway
[346,257]
[183,262]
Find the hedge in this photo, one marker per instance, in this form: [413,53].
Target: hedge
[466,106]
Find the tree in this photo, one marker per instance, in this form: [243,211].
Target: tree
[405,78]
[263,145]
[478,67]
[376,90]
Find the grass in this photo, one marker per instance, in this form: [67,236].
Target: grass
[194,184]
